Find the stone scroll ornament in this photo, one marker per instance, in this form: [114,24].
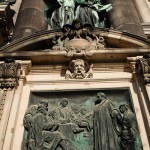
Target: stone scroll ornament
[143,67]
[79,69]
[50,126]
[61,12]
[10,72]
[77,33]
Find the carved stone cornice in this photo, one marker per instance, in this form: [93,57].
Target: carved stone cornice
[10,72]
[143,68]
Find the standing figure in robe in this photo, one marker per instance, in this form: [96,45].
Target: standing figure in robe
[59,12]
[65,113]
[105,137]
[91,12]
[129,132]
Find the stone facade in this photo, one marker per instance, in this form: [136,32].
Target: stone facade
[38,60]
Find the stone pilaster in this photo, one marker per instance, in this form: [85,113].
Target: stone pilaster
[141,69]
[9,98]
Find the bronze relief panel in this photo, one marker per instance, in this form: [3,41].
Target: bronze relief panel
[81,120]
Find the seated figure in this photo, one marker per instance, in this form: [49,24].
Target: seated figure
[44,135]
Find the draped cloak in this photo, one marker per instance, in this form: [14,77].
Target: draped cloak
[105,137]
[45,139]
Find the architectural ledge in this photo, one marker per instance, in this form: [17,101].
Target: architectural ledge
[61,56]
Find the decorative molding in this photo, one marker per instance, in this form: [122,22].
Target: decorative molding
[10,72]
[79,69]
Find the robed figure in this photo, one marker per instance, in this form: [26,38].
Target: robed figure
[92,12]
[61,12]
[105,137]
[43,135]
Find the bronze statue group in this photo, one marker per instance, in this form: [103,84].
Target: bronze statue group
[61,12]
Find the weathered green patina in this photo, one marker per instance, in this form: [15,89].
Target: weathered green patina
[61,12]
[85,120]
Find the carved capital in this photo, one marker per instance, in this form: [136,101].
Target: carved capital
[79,69]
[143,68]
[10,72]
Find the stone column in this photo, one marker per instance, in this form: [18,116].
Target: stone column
[30,19]
[124,17]
[143,9]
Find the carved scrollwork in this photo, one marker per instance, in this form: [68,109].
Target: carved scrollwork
[79,69]
[143,67]
[77,33]
[10,72]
